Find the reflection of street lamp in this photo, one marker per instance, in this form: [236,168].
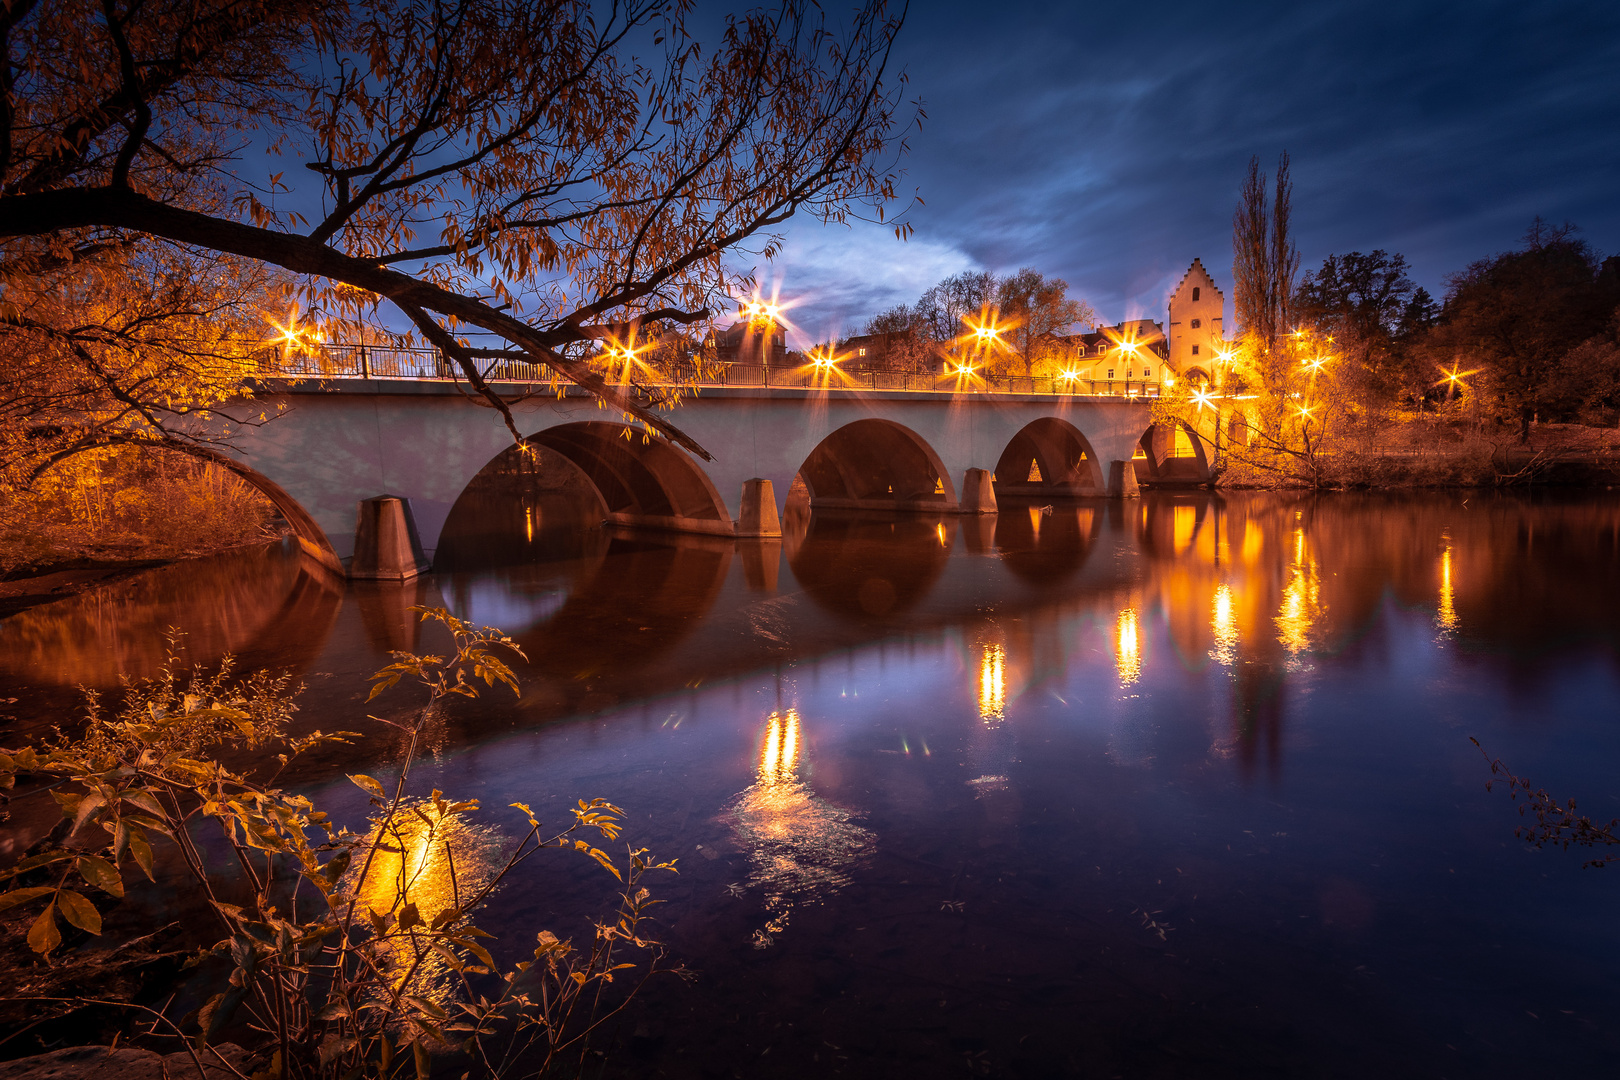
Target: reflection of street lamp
[1128,658]
[993,684]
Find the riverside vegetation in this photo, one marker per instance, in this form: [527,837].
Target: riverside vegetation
[341,963]
[121,503]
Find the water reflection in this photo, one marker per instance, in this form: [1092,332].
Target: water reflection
[1302,599]
[993,684]
[1446,618]
[800,846]
[268,606]
[430,859]
[867,567]
[1224,623]
[1045,544]
[1128,651]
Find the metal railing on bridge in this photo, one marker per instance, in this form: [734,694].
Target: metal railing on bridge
[431,365]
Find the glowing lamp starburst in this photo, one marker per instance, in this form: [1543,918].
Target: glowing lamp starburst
[1203,398]
[1454,378]
[293,336]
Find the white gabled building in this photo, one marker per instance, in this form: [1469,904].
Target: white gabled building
[1197,325]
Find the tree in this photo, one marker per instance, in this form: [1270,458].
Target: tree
[1357,302]
[1264,265]
[946,306]
[517,180]
[1516,316]
[910,345]
[1037,308]
[125,347]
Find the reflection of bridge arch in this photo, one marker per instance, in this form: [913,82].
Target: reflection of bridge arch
[1044,545]
[876,464]
[1167,459]
[575,619]
[865,568]
[1167,528]
[265,605]
[1048,457]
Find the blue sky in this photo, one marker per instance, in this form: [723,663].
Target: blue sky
[1105,143]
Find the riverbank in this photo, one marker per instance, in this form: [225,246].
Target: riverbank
[43,585]
[32,586]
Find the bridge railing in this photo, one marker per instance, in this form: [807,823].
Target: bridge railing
[431,365]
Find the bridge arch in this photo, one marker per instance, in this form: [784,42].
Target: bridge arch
[312,539]
[644,481]
[555,489]
[1171,453]
[877,464]
[1049,456]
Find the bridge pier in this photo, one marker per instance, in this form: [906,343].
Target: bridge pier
[978,493]
[757,514]
[386,545]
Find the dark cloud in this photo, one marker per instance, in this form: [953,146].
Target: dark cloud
[1105,144]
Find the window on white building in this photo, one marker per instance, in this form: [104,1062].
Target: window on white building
[1196,323]
[1195,350]
[1195,292]
[1110,373]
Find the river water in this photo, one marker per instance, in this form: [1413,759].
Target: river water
[1177,786]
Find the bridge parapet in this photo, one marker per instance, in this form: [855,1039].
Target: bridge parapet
[387,363]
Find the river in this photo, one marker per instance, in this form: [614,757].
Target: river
[1176,786]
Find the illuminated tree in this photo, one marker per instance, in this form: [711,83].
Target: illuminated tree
[1517,316]
[959,297]
[122,348]
[1264,265]
[1037,308]
[1357,301]
[517,180]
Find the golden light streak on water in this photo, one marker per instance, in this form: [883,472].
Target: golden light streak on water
[1252,544]
[993,684]
[939,531]
[770,759]
[1447,617]
[432,861]
[1128,658]
[1224,623]
[1185,521]
[1302,599]
[799,846]
[1035,522]
[528,523]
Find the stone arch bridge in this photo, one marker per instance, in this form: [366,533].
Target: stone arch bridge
[340,442]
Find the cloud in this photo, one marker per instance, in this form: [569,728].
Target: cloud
[836,277]
[1105,144]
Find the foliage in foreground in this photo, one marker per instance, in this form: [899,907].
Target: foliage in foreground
[1555,823]
[343,962]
